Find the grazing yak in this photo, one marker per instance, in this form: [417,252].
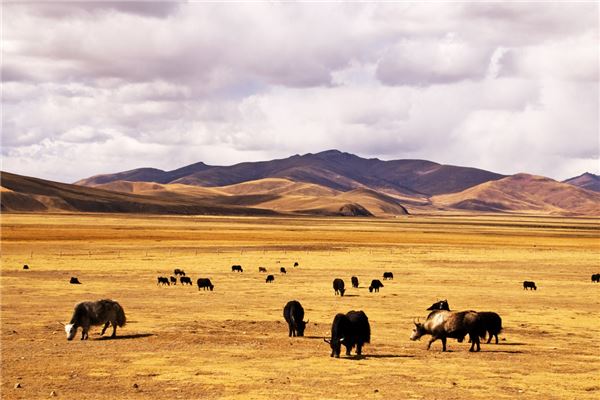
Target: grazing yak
[529,285]
[237,268]
[350,329]
[596,278]
[95,313]
[491,322]
[444,324]
[375,285]
[338,286]
[388,275]
[282,270]
[294,315]
[178,271]
[173,280]
[262,269]
[162,280]
[205,283]
[74,281]
[270,278]
[185,280]
[354,280]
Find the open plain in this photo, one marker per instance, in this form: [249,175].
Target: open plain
[232,343]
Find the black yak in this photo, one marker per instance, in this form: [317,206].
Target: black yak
[491,323]
[294,315]
[262,269]
[185,280]
[178,271]
[173,280]
[338,286]
[375,285]
[444,324]
[595,277]
[439,305]
[25,266]
[74,281]
[354,282]
[388,275]
[282,270]
[529,285]
[99,312]
[205,283]
[237,268]
[351,329]
[270,278]
[162,280]
[296,264]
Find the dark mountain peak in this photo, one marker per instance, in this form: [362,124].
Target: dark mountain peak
[587,180]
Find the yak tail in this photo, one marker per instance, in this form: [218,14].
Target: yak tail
[121,319]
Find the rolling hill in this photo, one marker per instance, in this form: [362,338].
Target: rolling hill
[524,193]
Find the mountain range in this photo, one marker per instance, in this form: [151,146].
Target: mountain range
[326,183]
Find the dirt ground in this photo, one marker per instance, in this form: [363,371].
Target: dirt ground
[232,343]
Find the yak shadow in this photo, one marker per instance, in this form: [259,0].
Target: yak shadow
[367,356]
[131,336]
[504,351]
[350,295]
[315,337]
[508,344]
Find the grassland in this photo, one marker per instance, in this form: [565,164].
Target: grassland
[232,343]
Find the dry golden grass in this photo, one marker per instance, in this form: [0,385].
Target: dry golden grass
[232,343]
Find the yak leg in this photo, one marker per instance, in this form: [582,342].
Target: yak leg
[433,339]
[114,324]
[496,336]
[443,344]
[84,333]
[358,349]
[490,335]
[348,349]
[475,342]
[105,326]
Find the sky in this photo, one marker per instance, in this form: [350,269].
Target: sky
[101,87]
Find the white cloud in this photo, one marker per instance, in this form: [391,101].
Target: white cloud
[100,87]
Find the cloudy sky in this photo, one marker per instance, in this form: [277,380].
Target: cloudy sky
[101,87]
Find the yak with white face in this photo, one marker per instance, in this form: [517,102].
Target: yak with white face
[88,313]
[442,324]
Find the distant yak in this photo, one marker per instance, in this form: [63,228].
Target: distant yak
[205,283]
[173,280]
[354,280]
[237,268]
[282,270]
[74,281]
[25,266]
[178,271]
[375,285]
[185,280]
[162,280]
[270,278]
[596,278]
[262,269]
[388,275]
[529,285]
[293,313]
[338,287]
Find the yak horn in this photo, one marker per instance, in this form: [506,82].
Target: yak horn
[60,323]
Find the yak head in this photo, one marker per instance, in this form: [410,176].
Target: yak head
[418,331]
[300,327]
[71,330]
[336,346]
[342,291]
